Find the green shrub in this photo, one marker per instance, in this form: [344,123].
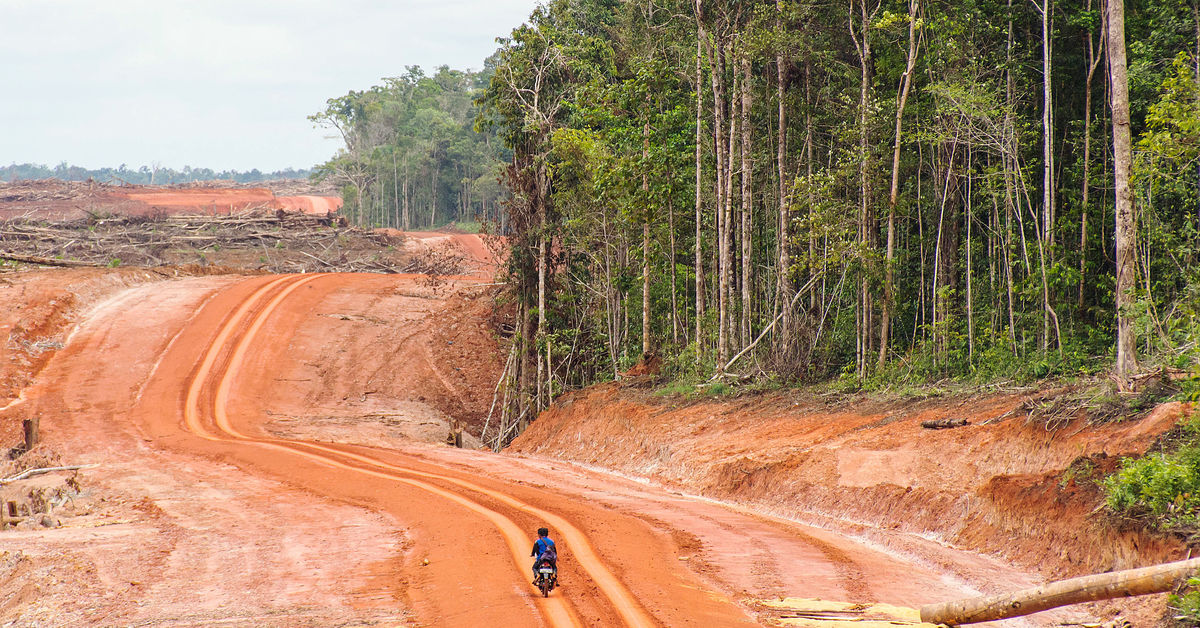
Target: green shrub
[1187,604]
[1163,487]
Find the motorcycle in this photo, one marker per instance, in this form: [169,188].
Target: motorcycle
[547,579]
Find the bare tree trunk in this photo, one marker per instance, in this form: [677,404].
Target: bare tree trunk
[407,224]
[783,288]
[395,192]
[1105,586]
[724,190]
[970,300]
[1126,229]
[645,242]
[1009,193]
[1047,10]
[1093,62]
[700,37]
[808,149]
[889,283]
[724,209]
[862,43]
[747,205]
[674,290]
[1047,235]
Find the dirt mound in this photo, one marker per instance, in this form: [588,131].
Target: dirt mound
[998,486]
[38,310]
[470,253]
[315,205]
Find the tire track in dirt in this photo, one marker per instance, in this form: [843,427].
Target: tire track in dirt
[254,313]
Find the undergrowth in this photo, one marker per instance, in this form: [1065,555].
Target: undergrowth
[1186,604]
[1162,489]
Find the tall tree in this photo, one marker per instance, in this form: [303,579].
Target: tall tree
[1126,232]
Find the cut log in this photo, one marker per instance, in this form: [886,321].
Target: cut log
[941,424]
[44,261]
[1105,586]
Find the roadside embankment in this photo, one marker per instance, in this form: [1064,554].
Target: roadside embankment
[1002,485]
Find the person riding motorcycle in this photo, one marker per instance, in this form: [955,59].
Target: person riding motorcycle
[543,549]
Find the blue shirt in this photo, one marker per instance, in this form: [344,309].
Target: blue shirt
[541,545]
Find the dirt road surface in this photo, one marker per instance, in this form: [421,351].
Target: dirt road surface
[267,454]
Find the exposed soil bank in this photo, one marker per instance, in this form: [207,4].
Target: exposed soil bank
[996,486]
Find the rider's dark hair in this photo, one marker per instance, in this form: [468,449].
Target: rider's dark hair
[543,532]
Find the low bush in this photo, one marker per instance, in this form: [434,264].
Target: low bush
[1162,488]
[1186,605]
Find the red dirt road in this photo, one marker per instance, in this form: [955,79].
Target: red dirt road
[256,468]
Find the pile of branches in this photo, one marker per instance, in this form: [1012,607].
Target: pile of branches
[265,240]
[27,190]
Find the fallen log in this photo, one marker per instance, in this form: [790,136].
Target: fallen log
[942,424]
[1105,586]
[32,472]
[44,261]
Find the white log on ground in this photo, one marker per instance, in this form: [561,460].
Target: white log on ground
[1128,583]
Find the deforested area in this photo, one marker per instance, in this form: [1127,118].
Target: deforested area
[751,313]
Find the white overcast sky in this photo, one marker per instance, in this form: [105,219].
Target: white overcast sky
[213,83]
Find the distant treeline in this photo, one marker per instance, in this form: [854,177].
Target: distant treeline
[145,175]
[412,156]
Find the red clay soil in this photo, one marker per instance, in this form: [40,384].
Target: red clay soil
[996,487]
[179,390]
[315,205]
[268,453]
[225,201]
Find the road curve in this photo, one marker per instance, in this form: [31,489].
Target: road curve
[218,371]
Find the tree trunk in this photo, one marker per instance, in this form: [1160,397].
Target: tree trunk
[1047,127]
[747,205]
[783,287]
[1126,233]
[723,187]
[1093,62]
[1047,231]
[645,241]
[1105,586]
[700,36]
[889,283]
[674,289]
[862,41]
[724,190]
[1009,192]
[969,208]
[808,165]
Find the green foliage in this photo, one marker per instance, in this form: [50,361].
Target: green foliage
[1186,604]
[413,157]
[583,128]
[1163,488]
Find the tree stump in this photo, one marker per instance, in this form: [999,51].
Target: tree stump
[31,432]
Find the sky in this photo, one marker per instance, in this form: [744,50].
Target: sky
[222,84]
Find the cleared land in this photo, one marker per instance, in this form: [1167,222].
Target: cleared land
[269,450]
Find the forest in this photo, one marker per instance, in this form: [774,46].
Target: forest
[873,192]
[412,157]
